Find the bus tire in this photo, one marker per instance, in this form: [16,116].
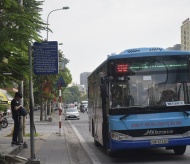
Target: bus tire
[111,153]
[179,150]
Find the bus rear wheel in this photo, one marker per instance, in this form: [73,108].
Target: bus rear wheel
[179,150]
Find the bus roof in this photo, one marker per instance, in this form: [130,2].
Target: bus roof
[142,52]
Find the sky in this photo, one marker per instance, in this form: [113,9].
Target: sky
[90,30]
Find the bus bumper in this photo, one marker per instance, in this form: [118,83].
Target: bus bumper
[123,144]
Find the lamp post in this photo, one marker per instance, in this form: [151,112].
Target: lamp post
[64,8]
[60,110]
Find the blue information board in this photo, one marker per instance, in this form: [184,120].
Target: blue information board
[45,57]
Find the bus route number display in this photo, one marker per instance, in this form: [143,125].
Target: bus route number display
[122,68]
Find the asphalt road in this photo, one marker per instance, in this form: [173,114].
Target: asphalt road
[150,156]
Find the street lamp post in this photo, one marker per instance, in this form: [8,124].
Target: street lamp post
[64,8]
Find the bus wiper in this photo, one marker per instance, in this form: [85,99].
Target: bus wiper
[131,107]
[121,118]
[186,113]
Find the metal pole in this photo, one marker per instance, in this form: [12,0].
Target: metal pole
[31,109]
[60,111]
[50,107]
[64,8]
[32,145]
[46,111]
[48,20]
[20,134]
[41,99]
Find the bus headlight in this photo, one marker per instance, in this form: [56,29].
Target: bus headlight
[186,134]
[119,136]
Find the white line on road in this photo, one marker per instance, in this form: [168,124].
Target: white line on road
[90,153]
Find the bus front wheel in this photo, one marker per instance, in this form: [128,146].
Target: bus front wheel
[179,150]
[111,153]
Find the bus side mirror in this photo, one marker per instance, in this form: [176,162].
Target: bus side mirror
[104,90]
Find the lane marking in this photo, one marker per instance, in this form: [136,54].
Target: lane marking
[89,152]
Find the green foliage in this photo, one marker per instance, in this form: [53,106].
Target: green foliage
[19,26]
[71,95]
[84,97]
[28,135]
[3,108]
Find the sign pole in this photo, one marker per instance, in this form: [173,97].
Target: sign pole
[60,111]
[31,110]
[60,83]
[32,158]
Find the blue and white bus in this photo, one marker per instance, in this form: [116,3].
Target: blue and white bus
[140,98]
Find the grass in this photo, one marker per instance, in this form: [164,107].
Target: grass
[26,135]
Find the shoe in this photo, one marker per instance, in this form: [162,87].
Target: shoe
[16,143]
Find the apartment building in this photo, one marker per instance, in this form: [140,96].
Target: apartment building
[185,35]
[83,78]
[175,47]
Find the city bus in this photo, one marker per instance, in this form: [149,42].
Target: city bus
[140,98]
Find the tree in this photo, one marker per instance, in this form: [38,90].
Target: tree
[19,26]
[71,95]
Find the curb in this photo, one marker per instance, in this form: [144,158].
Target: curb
[69,152]
[17,150]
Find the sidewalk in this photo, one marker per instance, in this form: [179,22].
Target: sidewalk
[50,147]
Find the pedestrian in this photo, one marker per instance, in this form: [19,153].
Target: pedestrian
[15,105]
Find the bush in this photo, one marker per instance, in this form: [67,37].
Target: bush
[3,108]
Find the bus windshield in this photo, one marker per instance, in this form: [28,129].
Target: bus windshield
[149,81]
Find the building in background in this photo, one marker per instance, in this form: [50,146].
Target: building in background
[185,35]
[83,79]
[175,47]
[82,88]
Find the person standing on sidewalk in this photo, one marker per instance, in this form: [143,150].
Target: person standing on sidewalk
[15,105]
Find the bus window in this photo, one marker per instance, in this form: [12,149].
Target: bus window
[116,95]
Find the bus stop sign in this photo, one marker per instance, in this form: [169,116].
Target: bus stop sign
[45,57]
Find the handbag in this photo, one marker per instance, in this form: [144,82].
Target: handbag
[22,111]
